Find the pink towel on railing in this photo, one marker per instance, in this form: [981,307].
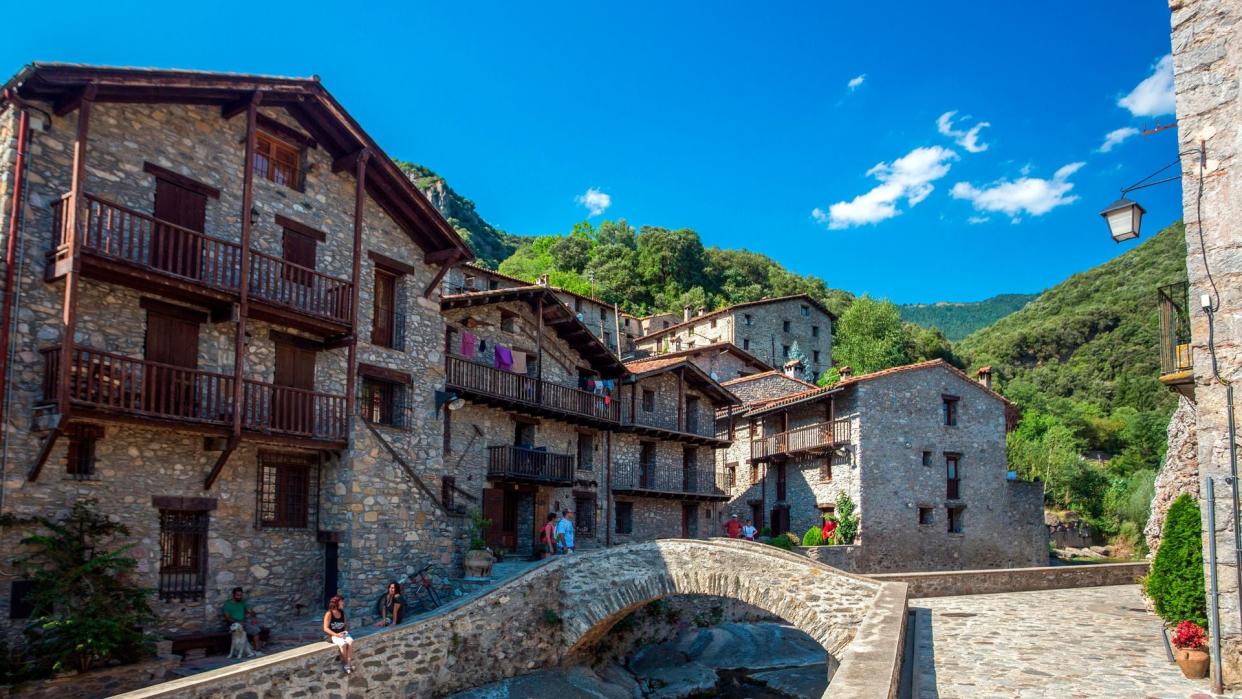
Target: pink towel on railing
[504,358]
[468,343]
[519,362]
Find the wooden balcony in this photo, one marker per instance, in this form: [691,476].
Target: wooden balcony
[127,247]
[819,437]
[111,386]
[526,465]
[650,480]
[696,429]
[485,384]
[1176,369]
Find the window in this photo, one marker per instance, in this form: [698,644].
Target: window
[953,475]
[927,458]
[384,321]
[276,160]
[746,343]
[586,451]
[825,469]
[713,323]
[508,321]
[815,356]
[383,402]
[183,555]
[648,400]
[608,340]
[754,474]
[603,315]
[492,284]
[955,519]
[785,351]
[806,311]
[950,410]
[666,323]
[646,464]
[625,517]
[785,326]
[288,489]
[814,331]
[746,319]
[80,456]
[469,283]
[21,606]
[925,515]
[825,510]
[731,474]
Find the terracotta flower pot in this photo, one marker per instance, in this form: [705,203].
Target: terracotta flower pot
[1192,661]
[478,564]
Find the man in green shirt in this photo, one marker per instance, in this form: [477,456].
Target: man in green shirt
[239,611]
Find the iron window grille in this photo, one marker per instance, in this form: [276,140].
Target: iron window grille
[80,455]
[288,490]
[183,555]
[384,403]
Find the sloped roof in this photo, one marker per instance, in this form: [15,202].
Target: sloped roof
[643,368]
[736,306]
[491,272]
[721,347]
[304,99]
[764,375]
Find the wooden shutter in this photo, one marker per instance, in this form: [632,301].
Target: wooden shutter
[494,510]
[173,247]
[300,250]
[384,302]
[171,343]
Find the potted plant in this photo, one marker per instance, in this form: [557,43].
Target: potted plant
[1190,650]
[479,558]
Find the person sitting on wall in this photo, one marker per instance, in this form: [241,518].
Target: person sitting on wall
[238,611]
[391,605]
[733,527]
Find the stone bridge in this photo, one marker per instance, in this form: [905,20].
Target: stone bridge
[554,613]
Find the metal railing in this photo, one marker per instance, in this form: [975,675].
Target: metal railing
[669,480]
[1175,341]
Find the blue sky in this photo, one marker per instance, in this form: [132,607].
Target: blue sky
[746,123]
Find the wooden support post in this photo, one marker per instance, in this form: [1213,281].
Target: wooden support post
[44,452]
[220,462]
[69,313]
[351,367]
[681,399]
[243,306]
[539,351]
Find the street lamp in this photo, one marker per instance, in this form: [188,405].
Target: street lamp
[1124,217]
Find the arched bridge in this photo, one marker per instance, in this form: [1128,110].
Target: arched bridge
[554,612]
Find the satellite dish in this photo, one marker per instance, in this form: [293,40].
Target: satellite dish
[715,376]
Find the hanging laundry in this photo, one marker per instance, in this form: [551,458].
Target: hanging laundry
[468,344]
[504,358]
[607,400]
[519,362]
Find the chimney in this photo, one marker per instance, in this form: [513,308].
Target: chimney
[845,371]
[542,280]
[685,313]
[793,368]
[702,310]
[985,376]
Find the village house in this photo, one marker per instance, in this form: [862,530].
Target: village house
[769,329]
[920,449]
[214,276]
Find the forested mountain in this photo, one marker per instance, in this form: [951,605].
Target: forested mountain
[490,245]
[957,320]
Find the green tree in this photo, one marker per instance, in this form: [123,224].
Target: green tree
[1175,584]
[870,337]
[796,354]
[847,519]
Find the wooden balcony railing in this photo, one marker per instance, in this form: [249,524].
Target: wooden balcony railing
[820,435]
[526,464]
[284,283]
[294,411]
[120,233]
[112,382]
[665,480]
[115,383]
[487,381]
[1175,340]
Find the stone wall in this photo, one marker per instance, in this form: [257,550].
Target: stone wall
[99,683]
[987,582]
[765,386]
[1179,473]
[1207,66]
[844,557]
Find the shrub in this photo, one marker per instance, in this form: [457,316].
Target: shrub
[766,531]
[1175,584]
[847,520]
[780,542]
[794,539]
[813,537]
[478,525]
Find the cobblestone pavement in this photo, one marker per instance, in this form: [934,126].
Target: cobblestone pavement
[1095,642]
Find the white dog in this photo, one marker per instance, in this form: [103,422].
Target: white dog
[241,645]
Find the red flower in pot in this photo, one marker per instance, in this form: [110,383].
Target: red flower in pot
[1191,655]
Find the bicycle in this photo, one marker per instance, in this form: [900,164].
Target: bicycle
[421,587]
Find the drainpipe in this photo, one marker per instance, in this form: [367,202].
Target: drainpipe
[10,270]
[1213,604]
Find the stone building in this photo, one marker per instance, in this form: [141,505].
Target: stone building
[1199,348]
[665,480]
[722,362]
[542,403]
[920,449]
[770,330]
[210,276]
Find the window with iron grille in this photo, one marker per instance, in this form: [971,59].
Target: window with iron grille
[584,515]
[80,455]
[183,555]
[288,490]
[383,402]
[731,474]
[825,469]
[625,517]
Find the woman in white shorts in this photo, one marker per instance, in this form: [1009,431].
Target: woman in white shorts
[337,628]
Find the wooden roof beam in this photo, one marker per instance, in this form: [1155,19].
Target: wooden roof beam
[238,106]
[349,161]
[73,100]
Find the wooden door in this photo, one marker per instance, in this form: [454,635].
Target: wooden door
[170,375]
[292,407]
[689,520]
[494,511]
[175,248]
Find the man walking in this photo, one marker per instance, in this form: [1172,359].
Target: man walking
[565,533]
[733,527]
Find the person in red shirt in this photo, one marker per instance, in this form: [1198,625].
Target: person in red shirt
[830,529]
[733,528]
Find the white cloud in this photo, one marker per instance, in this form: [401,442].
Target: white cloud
[966,139]
[856,82]
[595,201]
[1033,196]
[909,177]
[976,220]
[1116,137]
[1153,96]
